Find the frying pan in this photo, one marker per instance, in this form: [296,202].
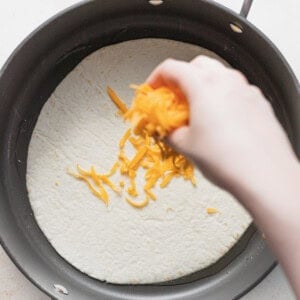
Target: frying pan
[50,53]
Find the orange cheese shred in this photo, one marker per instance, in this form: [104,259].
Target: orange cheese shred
[132,189]
[150,194]
[138,204]
[113,169]
[101,194]
[82,171]
[109,183]
[122,184]
[124,138]
[138,157]
[211,210]
[154,113]
[166,180]
[117,101]
[158,111]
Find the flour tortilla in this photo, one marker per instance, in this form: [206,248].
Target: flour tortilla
[171,237]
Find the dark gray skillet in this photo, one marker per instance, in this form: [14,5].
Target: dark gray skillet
[44,59]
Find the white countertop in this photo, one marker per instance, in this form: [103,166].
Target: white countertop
[278,19]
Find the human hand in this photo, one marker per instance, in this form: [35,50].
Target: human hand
[236,140]
[233,134]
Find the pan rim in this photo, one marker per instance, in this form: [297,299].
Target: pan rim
[78,6]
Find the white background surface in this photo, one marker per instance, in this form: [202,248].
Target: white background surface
[278,19]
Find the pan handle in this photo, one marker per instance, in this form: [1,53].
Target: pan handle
[245,8]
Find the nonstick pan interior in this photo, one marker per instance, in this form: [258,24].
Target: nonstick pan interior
[42,61]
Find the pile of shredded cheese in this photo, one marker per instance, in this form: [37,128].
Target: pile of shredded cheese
[153,114]
[157,112]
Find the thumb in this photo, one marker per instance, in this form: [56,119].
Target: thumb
[179,139]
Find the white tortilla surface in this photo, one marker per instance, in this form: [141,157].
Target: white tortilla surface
[171,237]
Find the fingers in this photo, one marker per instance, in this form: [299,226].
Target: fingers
[179,139]
[174,74]
[168,72]
[216,68]
[207,63]
[186,76]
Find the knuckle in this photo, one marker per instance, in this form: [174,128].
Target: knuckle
[267,104]
[255,89]
[203,60]
[166,66]
[258,96]
[171,64]
[169,61]
[237,75]
[199,59]
[256,93]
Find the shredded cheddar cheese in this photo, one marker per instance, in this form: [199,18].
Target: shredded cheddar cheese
[99,193]
[157,112]
[117,101]
[124,139]
[114,169]
[122,184]
[153,114]
[211,210]
[138,204]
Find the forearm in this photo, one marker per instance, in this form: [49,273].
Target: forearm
[275,206]
[233,136]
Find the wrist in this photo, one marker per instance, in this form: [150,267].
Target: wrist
[273,191]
